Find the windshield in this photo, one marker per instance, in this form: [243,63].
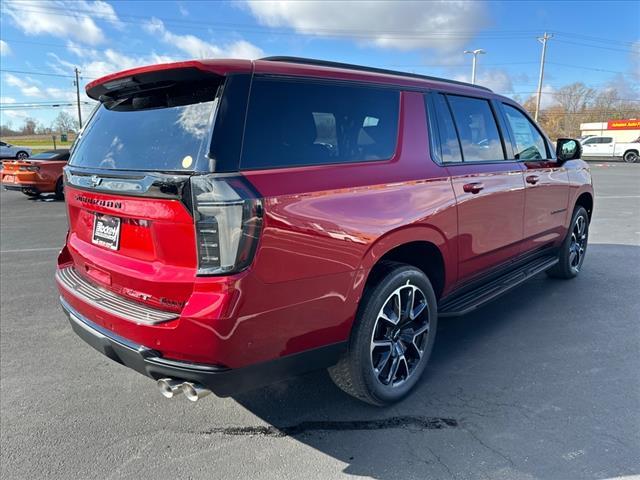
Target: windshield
[154,132]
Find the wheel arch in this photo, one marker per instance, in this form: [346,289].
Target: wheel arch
[585,200]
[423,247]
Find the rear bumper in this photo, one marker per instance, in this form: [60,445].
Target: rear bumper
[13,186]
[220,380]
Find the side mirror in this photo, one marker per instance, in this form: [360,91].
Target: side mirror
[568,149]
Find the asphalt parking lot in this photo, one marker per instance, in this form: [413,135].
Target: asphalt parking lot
[544,383]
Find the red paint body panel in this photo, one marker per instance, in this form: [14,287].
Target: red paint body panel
[324,228]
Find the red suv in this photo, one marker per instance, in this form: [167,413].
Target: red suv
[233,223]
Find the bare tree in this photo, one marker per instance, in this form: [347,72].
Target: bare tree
[64,123]
[29,127]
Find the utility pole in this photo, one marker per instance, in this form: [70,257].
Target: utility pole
[77,83]
[475,54]
[542,40]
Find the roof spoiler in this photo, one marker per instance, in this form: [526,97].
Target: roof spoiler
[135,80]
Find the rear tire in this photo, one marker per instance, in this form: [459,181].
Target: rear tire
[392,337]
[22,155]
[631,156]
[59,193]
[573,248]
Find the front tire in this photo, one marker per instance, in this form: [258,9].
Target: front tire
[22,155]
[392,337]
[573,248]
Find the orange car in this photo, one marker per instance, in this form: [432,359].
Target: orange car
[41,173]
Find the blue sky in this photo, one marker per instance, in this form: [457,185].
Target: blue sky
[597,43]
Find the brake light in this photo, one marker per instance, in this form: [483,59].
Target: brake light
[30,168]
[228,221]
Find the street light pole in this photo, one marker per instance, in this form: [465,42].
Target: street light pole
[475,54]
[78,96]
[542,40]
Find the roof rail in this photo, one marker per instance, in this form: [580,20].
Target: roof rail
[349,66]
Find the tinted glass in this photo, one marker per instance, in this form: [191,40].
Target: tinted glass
[477,129]
[306,123]
[606,140]
[589,140]
[529,144]
[50,156]
[148,134]
[440,119]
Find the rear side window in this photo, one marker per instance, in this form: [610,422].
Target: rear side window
[529,144]
[442,128]
[477,129]
[292,123]
[605,140]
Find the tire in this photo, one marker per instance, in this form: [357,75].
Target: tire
[573,248]
[21,155]
[59,193]
[404,351]
[631,156]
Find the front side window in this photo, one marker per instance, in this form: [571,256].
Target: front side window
[590,140]
[477,129]
[294,123]
[529,144]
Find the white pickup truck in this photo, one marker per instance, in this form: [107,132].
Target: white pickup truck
[608,147]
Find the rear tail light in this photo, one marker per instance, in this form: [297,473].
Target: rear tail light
[30,168]
[228,221]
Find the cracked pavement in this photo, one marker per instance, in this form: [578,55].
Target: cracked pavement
[542,384]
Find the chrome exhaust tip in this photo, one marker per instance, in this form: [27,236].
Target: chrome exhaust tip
[194,391]
[170,387]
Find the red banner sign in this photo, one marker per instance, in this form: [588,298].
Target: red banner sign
[623,124]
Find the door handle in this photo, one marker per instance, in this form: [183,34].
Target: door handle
[532,179]
[474,187]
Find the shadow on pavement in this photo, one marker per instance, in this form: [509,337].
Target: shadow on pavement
[534,385]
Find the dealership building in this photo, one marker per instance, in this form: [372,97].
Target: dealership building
[626,130]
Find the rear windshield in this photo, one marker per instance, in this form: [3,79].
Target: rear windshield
[160,131]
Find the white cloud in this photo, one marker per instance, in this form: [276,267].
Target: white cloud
[7,100]
[4,48]
[27,89]
[497,80]
[62,18]
[444,26]
[197,48]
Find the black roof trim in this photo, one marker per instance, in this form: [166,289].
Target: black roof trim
[349,66]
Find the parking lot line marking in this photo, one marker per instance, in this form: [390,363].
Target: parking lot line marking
[26,250]
[617,196]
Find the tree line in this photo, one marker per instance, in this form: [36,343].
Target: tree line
[63,123]
[575,104]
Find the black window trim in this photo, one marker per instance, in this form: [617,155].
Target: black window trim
[499,126]
[550,151]
[325,81]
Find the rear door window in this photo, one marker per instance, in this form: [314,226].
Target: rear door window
[294,123]
[477,129]
[529,143]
